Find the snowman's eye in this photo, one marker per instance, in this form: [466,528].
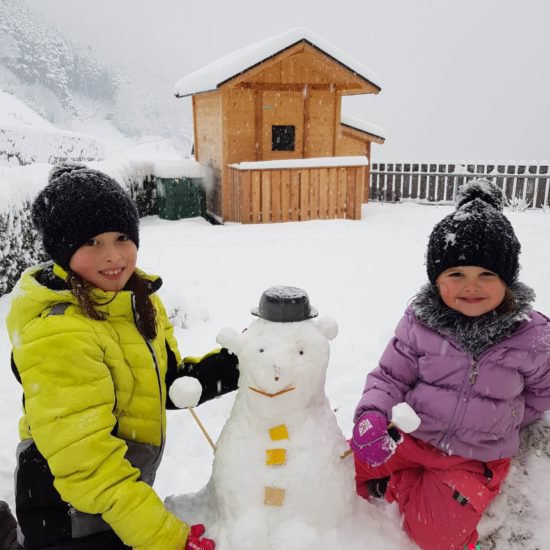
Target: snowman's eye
[301,352]
[261,350]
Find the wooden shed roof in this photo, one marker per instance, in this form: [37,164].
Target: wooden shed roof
[224,69]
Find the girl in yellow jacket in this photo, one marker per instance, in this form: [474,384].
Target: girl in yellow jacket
[95,352]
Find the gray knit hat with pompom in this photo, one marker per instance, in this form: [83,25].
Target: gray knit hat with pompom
[77,204]
[477,233]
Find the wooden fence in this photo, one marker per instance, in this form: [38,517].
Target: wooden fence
[296,194]
[438,181]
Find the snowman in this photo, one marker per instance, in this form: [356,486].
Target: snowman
[280,476]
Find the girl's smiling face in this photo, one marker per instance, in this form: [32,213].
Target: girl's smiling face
[107,261]
[471,290]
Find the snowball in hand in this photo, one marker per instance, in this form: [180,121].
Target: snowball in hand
[404,418]
[185,392]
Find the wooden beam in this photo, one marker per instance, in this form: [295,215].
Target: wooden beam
[285,195]
[361,189]
[304,194]
[337,111]
[283,87]
[366,177]
[246,196]
[305,138]
[276,201]
[332,193]
[266,196]
[297,87]
[195,131]
[256,200]
[228,205]
[295,195]
[259,123]
[323,193]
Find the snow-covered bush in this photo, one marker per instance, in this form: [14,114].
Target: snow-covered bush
[144,192]
[20,245]
[517,204]
[22,145]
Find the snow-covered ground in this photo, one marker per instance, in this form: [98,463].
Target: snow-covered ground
[362,273]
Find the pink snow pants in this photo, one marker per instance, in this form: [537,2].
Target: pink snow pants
[441,498]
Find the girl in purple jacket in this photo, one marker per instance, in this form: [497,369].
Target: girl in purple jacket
[472,358]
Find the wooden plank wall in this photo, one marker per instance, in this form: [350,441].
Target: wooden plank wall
[438,181]
[299,194]
[207,114]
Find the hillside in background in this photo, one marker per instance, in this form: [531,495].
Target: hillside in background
[74,88]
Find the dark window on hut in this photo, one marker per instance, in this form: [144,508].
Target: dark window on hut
[282,138]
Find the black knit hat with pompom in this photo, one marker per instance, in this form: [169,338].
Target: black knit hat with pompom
[77,204]
[476,234]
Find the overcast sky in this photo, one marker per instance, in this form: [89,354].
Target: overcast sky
[461,79]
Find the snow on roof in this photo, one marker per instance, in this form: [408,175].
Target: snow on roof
[188,168]
[363,126]
[318,162]
[216,73]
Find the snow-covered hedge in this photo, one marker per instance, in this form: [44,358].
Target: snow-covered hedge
[23,145]
[20,245]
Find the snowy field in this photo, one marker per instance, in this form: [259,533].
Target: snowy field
[361,273]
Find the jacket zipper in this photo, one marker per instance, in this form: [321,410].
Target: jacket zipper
[460,409]
[473,373]
[157,371]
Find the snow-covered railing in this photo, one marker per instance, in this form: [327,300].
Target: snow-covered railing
[437,181]
[23,145]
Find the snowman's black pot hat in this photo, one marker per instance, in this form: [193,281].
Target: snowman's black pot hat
[285,304]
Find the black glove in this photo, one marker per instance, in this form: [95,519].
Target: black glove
[217,371]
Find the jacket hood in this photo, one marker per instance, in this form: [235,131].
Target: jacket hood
[31,297]
[476,334]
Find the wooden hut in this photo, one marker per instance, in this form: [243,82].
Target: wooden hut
[268,127]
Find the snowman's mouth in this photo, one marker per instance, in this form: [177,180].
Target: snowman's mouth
[267,394]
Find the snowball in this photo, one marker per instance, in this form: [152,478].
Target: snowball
[185,392]
[404,418]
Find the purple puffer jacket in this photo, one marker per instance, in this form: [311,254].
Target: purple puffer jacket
[473,409]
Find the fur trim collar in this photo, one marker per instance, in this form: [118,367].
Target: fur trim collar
[473,334]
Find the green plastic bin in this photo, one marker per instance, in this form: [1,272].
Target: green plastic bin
[180,198]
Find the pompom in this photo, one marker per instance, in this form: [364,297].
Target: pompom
[185,392]
[482,189]
[59,170]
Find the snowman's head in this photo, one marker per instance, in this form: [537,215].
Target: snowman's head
[283,363]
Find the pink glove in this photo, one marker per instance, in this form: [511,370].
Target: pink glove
[371,442]
[195,542]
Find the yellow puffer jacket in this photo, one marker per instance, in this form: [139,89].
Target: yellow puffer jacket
[89,387]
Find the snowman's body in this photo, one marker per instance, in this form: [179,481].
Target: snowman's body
[282,431]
